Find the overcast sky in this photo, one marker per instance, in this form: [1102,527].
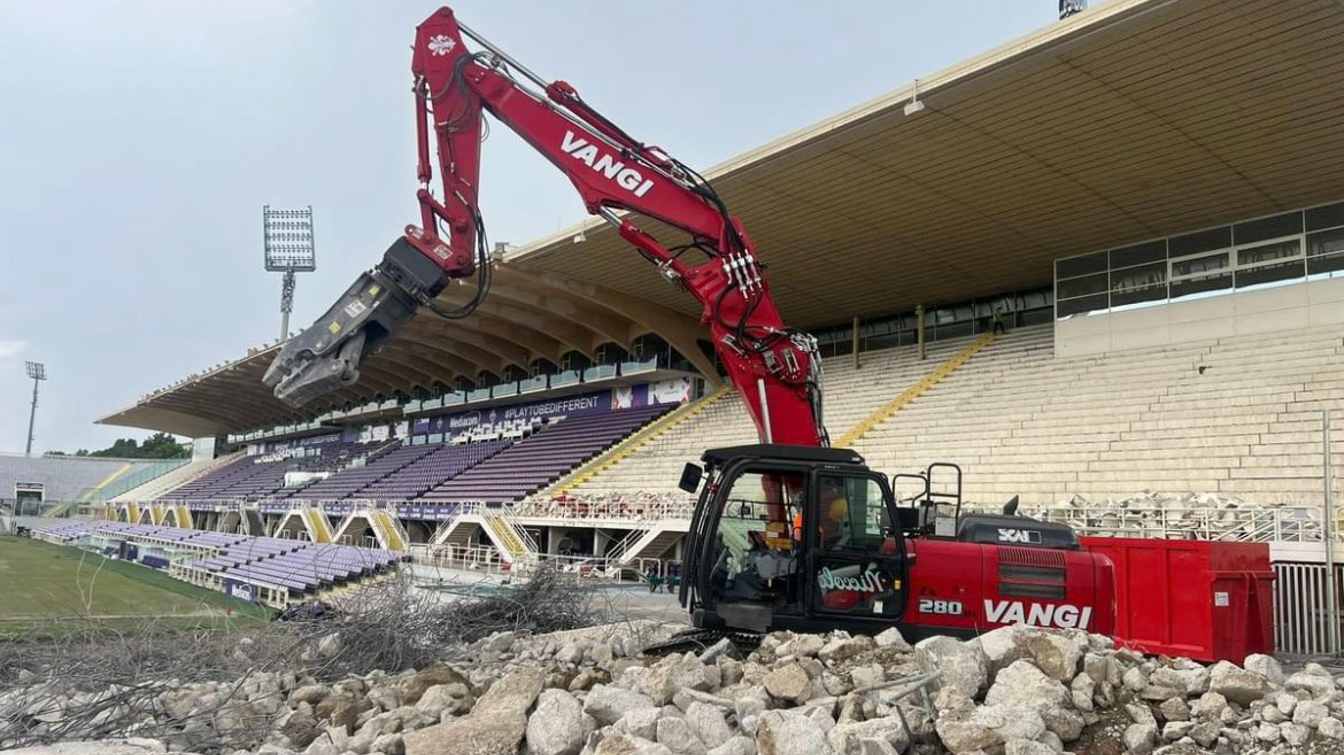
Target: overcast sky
[139,140]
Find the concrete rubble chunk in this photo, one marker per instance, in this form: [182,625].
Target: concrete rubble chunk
[1295,735]
[1237,684]
[1175,709]
[416,685]
[843,648]
[608,704]
[780,733]
[1310,713]
[1210,706]
[802,646]
[676,735]
[1266,666]
[556,726]
[850,738]
[1319,686]
[1268,733]
[963,666]
[494,727]
[1135,680]
[1139,739]
[736,746]
[892,638]
[662,680]
[1023,686]
[640,722]
[708,723]
[1057,653]
[789,683]
[1193,681]
[1082,689]
[1175,730]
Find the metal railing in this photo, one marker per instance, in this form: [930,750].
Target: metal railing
[487,559]
[1302,608]
[634,512]
[1292,524]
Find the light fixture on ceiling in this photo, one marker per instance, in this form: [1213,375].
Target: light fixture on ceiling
[914,105]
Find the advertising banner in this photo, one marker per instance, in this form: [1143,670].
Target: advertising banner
[674,391]
[240,590]
[569,406]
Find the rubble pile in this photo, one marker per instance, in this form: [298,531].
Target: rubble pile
[1016,690]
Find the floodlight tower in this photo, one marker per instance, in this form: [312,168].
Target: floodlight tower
[1069,7]
[288,240]
[38,372]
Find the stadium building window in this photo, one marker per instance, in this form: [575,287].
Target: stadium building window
[1200,241]
[1268,251]
[1139,284]
[1201,274]
[1265,229]
[1270,263]
[1087,264]
[1325,251]
[1325,216]
[1083,293]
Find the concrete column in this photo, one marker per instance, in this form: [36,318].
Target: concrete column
[856,342]
[919,331]
[600,542]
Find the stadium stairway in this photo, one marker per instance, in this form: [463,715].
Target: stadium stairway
[510,540]
[92,493]
[885,411]
[161,486]
[652,539]
[182,516]
[319,529]
[135,476]
[852,395]
[387,530]
[1237,415]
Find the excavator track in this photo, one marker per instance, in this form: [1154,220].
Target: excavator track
[696,640]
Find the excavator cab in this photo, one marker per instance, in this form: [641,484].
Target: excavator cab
[792,537]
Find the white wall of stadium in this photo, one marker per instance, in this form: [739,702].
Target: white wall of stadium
[1300,305]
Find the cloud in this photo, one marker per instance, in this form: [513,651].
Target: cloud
[9,349]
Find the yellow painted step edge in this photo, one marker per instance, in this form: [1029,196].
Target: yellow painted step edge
[915,391]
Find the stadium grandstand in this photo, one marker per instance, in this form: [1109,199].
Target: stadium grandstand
[59,483]
[1102,259]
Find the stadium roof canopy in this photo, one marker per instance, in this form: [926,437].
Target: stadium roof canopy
[1132,120]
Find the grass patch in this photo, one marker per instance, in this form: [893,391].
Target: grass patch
[42,582]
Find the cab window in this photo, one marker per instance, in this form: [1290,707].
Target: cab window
[761,512]
[851,514]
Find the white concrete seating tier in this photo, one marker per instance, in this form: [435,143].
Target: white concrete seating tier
[851,395]
[1237,415]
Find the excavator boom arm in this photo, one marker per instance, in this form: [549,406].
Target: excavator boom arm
[774,368]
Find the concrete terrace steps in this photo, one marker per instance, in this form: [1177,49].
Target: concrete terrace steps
[851,395]
[1113,424]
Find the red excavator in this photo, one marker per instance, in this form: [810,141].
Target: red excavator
[789,533]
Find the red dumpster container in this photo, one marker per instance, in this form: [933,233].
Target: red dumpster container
[1203,600]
